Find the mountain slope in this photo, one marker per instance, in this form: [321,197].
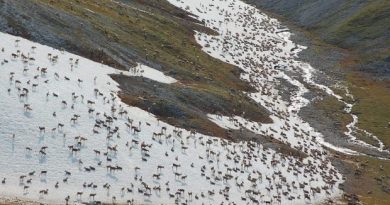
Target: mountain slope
[360,26]
[66,136]
[121,33]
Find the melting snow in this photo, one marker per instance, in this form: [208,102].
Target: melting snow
[151,73]
[64,131]
[263,50]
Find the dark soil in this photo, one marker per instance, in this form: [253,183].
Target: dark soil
[183,106]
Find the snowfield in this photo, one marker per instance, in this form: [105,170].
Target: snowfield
[67,137]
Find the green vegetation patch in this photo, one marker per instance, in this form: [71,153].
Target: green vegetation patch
[373,105]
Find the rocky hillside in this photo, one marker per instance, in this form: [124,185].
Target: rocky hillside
[358,25]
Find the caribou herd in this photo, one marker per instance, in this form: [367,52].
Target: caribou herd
[82,144]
